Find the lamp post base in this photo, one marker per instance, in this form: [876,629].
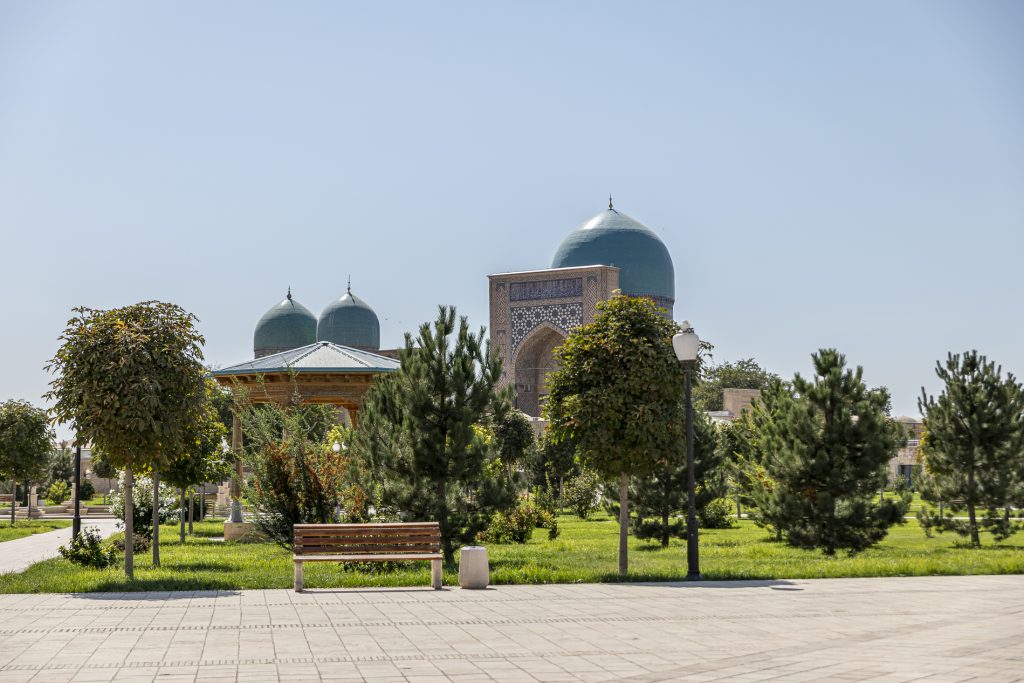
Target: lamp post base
[236,512]
[694,576]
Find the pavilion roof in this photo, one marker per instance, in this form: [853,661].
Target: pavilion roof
[320,357]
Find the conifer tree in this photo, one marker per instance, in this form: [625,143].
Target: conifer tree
[421,431]
[662,492]
[973,449]
[825,444]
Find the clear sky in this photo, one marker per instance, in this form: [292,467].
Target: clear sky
[824,174]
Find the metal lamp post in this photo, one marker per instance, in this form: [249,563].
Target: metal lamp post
[76,521]
[686,345]
[336,447]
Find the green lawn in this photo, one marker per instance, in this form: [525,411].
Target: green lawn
[28,527]
[585,552]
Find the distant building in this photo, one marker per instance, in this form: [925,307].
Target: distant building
[532,312]
[902,464]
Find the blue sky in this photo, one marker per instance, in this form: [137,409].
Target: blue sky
[824,174]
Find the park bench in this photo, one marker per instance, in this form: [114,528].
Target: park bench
[368,543]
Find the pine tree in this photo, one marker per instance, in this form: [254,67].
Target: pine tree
[825,444]
[973,448]
[662,492]
[422,432]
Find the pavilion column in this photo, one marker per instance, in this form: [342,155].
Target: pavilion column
[236,479]
[353,415]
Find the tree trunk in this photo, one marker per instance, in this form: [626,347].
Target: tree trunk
[664,528]
[739,509]
[561,486]
[181,517]
[191,510]
[972,520]
[623,524]
[202,503]
[14,498]
[442,522]
[129,524]
[156,519]
[28,499]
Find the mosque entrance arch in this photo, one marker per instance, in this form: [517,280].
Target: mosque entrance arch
[534,359]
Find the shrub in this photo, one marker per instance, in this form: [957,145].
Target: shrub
[86,490]
[517,525]
[650,530]
[87,550]
[142,505]
[715,515]
[581,493]
[140,543]
[59,492]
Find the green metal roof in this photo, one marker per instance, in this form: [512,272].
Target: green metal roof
[318,357]
[349,321]
[287,325]
[612,238]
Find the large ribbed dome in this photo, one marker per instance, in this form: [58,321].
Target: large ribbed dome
[286,326]
[349,321]
[612,238]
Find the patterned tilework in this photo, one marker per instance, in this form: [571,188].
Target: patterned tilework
[546,289]
[563,316]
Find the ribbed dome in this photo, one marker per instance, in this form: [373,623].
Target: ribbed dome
[612,238]
[350,321]
[286,326]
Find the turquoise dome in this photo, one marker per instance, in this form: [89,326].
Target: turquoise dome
[286,326]
[612,238]
[350,321]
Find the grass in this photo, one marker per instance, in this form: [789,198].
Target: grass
[25,527]
[585,552]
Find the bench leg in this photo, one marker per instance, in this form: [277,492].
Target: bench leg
[435,574]
[298,577]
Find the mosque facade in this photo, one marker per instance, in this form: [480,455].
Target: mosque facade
[532,312]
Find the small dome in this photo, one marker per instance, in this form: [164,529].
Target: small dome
[350,321]
[612,238]
[286,326]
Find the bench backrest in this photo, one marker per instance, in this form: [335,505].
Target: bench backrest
[376,539]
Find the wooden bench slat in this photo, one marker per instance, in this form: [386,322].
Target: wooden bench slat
[355,549]
[392,542]
[368,558]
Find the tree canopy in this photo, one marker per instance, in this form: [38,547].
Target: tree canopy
[25,442]
[618,395]
[130,381]
[742,374]
[973,448]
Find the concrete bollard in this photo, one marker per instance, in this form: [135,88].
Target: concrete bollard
[474,571]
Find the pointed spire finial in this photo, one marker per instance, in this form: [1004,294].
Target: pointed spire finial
[349,284]
[289,292]
[610,202]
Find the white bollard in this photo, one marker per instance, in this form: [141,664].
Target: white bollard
[474,571]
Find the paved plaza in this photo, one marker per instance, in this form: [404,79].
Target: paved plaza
[904,629]
[19,554]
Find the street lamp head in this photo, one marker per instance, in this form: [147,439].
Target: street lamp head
[224,447]
[336,447]
[686,344]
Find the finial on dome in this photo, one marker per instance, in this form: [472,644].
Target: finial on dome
[610,207]
[289,292]
[349,284]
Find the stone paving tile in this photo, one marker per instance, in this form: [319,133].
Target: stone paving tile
[938,629]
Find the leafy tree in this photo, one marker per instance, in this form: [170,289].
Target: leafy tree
[551,464]
[102,467]
[825,444]
[25,438]
[203,459]
[61,466]
[514,438]
[422,432]
[743,374]
[973,449]
[130,381]
[618,396]
[581,493]
[662,491]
